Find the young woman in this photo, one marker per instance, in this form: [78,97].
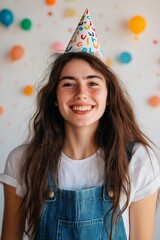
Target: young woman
[87,171]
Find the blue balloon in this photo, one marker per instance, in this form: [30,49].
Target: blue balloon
[125,57]
[6,17]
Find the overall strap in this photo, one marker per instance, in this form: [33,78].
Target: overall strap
[51,189]
[50,184]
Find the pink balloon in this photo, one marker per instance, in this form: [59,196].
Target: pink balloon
[57,46]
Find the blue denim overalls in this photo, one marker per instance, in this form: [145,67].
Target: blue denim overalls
[77,215]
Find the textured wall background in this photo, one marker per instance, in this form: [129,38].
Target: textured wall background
[52,27]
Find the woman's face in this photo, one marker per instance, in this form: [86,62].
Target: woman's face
[81,94]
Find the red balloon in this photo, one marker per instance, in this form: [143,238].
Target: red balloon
[16,52]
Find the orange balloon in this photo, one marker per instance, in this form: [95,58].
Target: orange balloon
[28,90]
[137,24]
[1,110]
[16,52]
[154,101]
[51,2]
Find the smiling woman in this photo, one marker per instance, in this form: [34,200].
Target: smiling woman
[86,147]
[87,171]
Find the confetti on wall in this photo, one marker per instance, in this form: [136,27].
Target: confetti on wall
[1,110]
[50,13]
[155,41]
[70,13]
[109,62]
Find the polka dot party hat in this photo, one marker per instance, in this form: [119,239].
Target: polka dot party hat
[85,38]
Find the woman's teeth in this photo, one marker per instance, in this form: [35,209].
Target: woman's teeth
[82,108]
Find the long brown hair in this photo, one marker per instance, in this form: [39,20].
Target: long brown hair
[117,129]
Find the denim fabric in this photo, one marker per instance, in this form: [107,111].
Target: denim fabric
[78,215]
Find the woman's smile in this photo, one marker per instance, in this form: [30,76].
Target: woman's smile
[81,108]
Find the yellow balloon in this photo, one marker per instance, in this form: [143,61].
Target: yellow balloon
[137,24]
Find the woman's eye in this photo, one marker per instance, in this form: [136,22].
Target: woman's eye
[68,85]
[93,84]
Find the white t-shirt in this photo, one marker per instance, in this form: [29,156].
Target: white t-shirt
[89,172]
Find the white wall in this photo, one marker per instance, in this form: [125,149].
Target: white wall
[110,17]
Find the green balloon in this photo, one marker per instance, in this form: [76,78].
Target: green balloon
[26,24]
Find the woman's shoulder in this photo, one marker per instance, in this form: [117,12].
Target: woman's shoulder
[17,151]
[15,157]
[143,155]
[144,171]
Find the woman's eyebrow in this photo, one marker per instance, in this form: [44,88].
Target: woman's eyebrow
[75,78]
[67,77]
[93,76]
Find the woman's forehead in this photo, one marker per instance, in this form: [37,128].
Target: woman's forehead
[78,66]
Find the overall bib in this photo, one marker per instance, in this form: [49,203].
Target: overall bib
[78,215]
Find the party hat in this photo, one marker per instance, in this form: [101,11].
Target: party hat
[85,38]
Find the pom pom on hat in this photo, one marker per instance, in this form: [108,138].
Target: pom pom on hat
[85,38]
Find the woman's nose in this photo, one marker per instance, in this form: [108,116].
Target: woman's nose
[81,93]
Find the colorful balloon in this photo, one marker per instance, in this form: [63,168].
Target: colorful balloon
[6,17]
[51,2]
[154,101]
[125,57]
[1,110]
[137,24]
[16,52]
[57,46]
[26,24]
[28,90]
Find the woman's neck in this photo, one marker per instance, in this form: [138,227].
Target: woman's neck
[79,142]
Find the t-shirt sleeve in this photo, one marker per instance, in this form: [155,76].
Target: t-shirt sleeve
[144,173]
[11,172]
